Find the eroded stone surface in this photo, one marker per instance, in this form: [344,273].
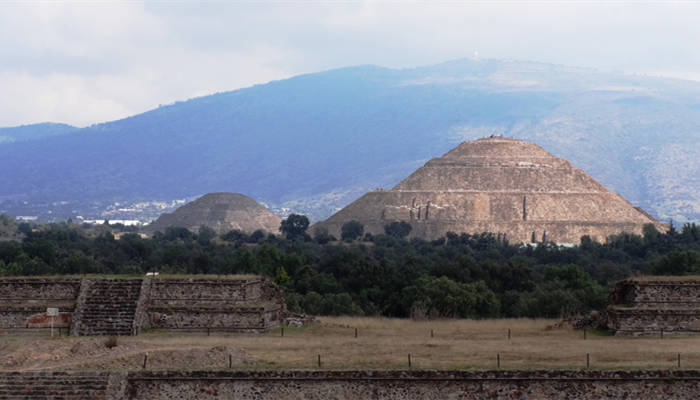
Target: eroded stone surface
[126,306]
[497,185]
[534,384]
[655,305]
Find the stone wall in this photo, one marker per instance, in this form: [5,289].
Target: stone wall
[24,302]
[531,384]
[428,385]
[234,304]
[223,304]
[186,291]
[653,321]
[39,289]
[659,292]
[260,319]
[655,305]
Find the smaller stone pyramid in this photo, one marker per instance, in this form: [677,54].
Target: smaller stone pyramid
[222,212]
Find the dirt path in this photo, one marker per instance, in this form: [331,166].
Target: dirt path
[92,353]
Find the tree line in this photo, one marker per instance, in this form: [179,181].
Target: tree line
[459,275]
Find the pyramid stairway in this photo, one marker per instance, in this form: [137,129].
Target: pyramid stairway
[53,385]
[110,307]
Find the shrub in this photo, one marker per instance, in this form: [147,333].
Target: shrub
[111,342]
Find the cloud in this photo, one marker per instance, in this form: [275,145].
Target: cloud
[85,62]
[90,64]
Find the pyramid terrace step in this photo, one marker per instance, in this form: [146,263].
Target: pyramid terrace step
[109,312]
[10,389]
[110,307]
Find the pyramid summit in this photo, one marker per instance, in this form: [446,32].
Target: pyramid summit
[222,212]
[499,185]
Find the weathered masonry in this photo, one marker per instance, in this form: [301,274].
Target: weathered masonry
[655,305]
[499,185]
[274,385]
[125,306]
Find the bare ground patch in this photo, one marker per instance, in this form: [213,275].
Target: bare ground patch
[381,343]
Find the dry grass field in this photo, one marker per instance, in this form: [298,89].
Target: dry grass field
[381,344]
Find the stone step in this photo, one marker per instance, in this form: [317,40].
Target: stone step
[10,389]
[110,322]
[108,308]
[48,385]
[121,300]
[52,386]
[72,395]
[106,334]
[107,314]
[107,328]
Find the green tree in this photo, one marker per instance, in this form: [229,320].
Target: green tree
[398,229]
[7,225]
[294,226]
[24,228]
[205,235]
[281,277]
[235,236]
[651,234]
[351,230]
[678,263]
[257,236]
[447,298]
[322,236]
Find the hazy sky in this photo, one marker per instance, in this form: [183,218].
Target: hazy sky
[90,61]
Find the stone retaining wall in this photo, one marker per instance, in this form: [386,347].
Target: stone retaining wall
[328,385]
[325,385]
[39,289]
[248,303]
[251,304]
[23,302]
[234,319]
[653,321]
[654,305]
[657,293]
[202,290]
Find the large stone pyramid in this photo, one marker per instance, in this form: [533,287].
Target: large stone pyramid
[498,185]
[222,212]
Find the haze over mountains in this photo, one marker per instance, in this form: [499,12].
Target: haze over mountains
[313,143]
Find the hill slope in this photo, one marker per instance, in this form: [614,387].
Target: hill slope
[32,132]
[315,142]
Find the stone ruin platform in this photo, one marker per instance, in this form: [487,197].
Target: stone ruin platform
[655,305]
[126,306]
